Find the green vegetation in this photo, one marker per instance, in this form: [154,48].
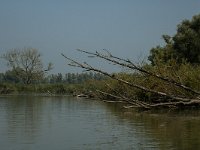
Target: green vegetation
[185,74]
[183,46]
[26,65]
[27,75]
[171,80]
[70,83]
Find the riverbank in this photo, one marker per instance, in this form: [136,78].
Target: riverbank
[48,89]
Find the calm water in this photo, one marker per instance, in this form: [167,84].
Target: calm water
[66,123]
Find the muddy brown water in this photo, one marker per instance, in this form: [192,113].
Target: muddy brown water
[69,123]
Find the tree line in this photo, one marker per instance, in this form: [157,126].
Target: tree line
[26,67]
[73,78]
[68,78]
[171,79]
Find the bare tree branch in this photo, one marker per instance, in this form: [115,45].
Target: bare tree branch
[129,64]
[170,100]
[90,68]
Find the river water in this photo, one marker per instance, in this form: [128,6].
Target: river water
[68,123]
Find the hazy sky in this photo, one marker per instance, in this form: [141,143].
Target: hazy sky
[128,28]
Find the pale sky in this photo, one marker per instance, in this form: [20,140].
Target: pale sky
[127,28]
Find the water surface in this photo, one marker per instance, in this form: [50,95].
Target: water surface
[68,123]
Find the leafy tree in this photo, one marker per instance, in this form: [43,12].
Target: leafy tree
[187,40]
[27,64]
[161,54]
[11,76]
[69,78]
[74,78]
[59,78]
[52,78]
[184,45]
[1,77]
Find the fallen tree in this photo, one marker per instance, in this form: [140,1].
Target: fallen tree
[187,96]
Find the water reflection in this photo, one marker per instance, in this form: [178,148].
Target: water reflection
[172,129]
[23,117]
[31,122]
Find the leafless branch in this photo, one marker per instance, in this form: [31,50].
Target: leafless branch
[129,64]
[172,100]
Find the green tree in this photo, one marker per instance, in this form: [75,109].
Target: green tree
[2,77]
[69,78]
[59,78]
[187,40]
[27,64]
[184,45]
[11,76]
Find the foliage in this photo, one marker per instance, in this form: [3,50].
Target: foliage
[73,78]
[150,86]
[185,73]
[172,80]
[6,88]
[26,64]
[187,40]
[184,45]
[10,76]
[53,84]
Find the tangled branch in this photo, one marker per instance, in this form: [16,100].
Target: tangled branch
[173,99]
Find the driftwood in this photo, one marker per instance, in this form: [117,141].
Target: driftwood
[174,101]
